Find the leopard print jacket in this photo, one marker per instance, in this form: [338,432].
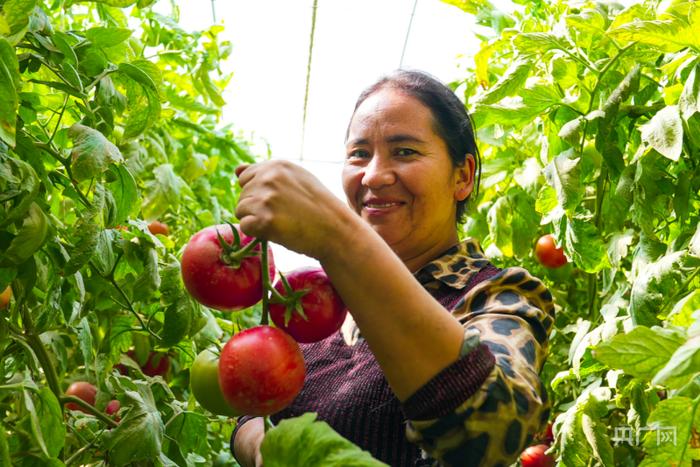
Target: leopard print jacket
[512,313]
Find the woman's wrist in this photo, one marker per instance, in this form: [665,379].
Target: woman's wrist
[246,441]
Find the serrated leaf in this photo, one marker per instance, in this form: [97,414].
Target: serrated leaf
[651,286]
[641,353]
[684,364]
[139,435]
[563,174]
[85,342]
[511,81]
[46,421]
[470,6]
[530,43]
[17,14]
[107,37]
[664,132]
[30,236]
[177,322]
[304,441]
[585,246]
[124,191]
[668,442]
[164,191]
[184,430]
[84,245]
[9,87]
[689,101]
[92,153]
[667,35]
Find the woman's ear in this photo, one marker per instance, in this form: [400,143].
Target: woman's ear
[464,178]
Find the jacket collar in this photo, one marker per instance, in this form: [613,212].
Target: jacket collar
[455,266]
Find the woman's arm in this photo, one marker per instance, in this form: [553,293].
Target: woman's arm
[409,332]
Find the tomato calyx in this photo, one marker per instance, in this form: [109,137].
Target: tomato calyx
[232,254]
[291,300]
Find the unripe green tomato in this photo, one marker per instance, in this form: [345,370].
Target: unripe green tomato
[204,381]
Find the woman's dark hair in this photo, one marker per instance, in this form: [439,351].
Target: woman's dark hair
[452,123]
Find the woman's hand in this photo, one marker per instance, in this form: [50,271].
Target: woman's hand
[247,443]
[284,203]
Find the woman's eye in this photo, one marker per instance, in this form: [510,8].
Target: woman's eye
[358,153]
[405,152]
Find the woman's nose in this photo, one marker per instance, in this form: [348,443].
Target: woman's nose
[378,172]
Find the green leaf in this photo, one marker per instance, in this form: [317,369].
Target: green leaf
[582,435]
[682,312]
[684,364]
[563,174]
[30,237]
[139,435]
[470,6]
[585,245]
[92,153]
[4,448]
[303,441]
[124,191]
[107,37]
[667,36]
[511,82]
[651,287]
[84,245]
[641,353]
[19,187]
[163,191]
[46,421]
[85,342]
[142,94]
[531,43]
[689,102]
[668,441]
[9,88]
[184,430]
[149,280]
[16,14]
[664,132]
[114,3]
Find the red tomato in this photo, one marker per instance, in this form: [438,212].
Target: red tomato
[82,390]
[212,279]
[157,364]
[323,307]
[261,371]
[535,456]
[548,254]
[112,409]
[5,297]
[157,227]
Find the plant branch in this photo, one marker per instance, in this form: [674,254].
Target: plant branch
[265,282]
[88,408]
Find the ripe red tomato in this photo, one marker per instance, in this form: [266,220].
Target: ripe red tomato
[157,227]
[112,409]
[261,371]
[323,307]
[212,279]
[157,364]
[5,297]
[83,390]
[548,254]
[204,381]
[535,456]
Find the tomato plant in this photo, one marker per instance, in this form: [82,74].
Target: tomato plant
[82,390]
[261,370]
[535,456]
[204,381]
[310,308]
[548,254]
[221,268]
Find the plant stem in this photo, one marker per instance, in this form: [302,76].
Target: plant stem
[265,283]
[89,408]
[37,346]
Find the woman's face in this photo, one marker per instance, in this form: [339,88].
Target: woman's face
[398,175]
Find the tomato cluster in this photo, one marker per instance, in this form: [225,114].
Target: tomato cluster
[260,370]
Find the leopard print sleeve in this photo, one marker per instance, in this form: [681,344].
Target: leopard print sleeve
[512,314]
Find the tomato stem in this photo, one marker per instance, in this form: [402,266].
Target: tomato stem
[90,408]
[265,281]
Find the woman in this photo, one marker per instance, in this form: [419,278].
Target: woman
[442,362]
